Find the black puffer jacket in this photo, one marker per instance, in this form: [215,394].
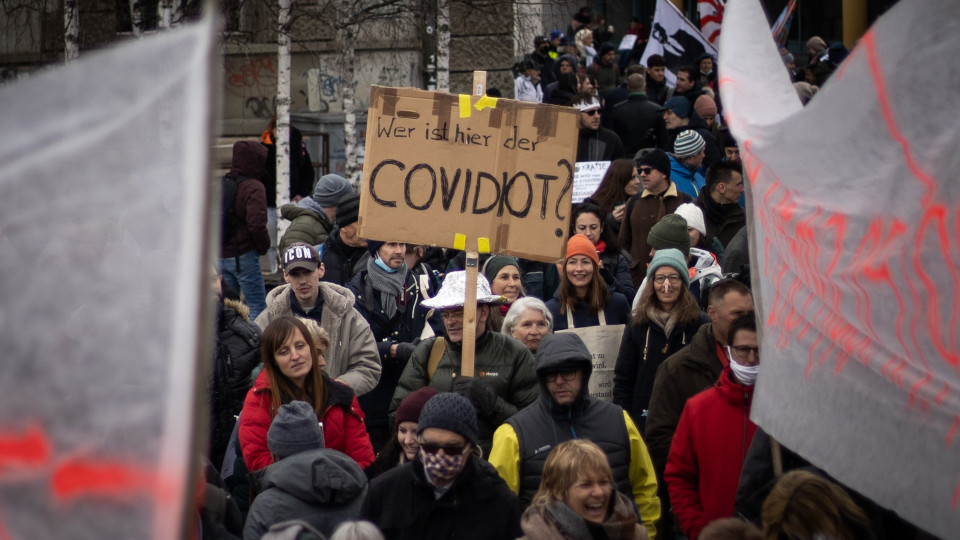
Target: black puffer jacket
[478,506]
[341,261]
[237,354]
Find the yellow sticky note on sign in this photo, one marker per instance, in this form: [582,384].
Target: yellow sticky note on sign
[460,241]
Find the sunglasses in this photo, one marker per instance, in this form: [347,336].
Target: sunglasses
[592,112]
[448,449]
[645,170]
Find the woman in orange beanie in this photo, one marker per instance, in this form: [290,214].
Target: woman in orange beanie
[583,299]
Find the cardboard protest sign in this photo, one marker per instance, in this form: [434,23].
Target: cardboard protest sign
[438,164]
[855,253]
[103,206]
[587,176]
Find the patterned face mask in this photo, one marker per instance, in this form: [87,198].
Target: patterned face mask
[442,468]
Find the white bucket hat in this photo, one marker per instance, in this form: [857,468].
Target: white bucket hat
[452,292]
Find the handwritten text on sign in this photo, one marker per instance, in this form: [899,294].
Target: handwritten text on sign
[587,176]
[505,173]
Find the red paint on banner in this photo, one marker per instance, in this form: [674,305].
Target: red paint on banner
[77,478]
[30,448]
[867,42]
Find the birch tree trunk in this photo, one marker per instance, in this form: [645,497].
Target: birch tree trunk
[443,45]
[283,107]
[136,18]
[347,40]
[71,30]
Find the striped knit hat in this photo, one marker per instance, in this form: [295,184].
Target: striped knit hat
[688,143]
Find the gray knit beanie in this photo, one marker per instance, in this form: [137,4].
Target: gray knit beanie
[670,232]
[667,257]
[450,411]
[331,190]
[294,429]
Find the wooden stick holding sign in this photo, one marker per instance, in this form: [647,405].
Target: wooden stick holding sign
[468,347]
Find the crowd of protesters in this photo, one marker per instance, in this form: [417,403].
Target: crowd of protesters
[339,410]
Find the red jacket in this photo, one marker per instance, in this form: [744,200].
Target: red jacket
[706,457]
[343,427]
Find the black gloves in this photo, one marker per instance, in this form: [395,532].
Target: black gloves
[481,395]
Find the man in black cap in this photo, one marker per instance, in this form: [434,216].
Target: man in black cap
[352,354]
[389,297]
[659,197]
[448,491]
[344,252]
[564,411]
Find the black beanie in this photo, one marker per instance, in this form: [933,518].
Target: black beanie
[348,211]
[657,159]
[452,412]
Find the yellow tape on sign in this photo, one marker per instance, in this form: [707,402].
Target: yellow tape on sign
[464,106]
[483,245]
[460,240]
[486,102]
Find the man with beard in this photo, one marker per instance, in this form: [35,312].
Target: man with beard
[389,297]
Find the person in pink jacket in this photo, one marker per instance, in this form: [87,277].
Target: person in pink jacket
[292,371]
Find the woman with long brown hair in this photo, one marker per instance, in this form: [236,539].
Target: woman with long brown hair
[665,320]
[620,182]
[292,371]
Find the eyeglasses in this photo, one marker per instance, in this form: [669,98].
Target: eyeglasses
[674,280]
[645,170]
[448,315]
[592,112]
[565,375]
[743,352]
[448,449]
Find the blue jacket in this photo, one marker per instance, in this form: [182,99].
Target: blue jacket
[687,181]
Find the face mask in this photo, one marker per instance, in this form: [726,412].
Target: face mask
[383,266]
[442,469]
[745,375]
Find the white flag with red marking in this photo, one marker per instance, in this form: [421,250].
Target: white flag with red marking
[103,214]
[711,17]
[855,252]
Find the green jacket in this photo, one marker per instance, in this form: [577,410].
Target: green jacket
[500,361]
[306,225]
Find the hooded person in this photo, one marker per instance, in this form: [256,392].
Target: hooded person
[345,252]
[448,491]
[565,410]
[322,487]
[504,380]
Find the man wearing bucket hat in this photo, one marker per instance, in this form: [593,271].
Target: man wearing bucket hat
[504,380]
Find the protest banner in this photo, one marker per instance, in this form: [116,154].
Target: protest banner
[627,43]
[438,164]
[106,277]
[855,255]
[587,176]
[676,39]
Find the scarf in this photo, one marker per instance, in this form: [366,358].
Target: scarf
[664,319]
[391,285]
[601,246]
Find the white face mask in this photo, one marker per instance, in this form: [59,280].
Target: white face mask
[745,375]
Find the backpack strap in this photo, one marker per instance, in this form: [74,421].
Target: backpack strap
[436,353]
